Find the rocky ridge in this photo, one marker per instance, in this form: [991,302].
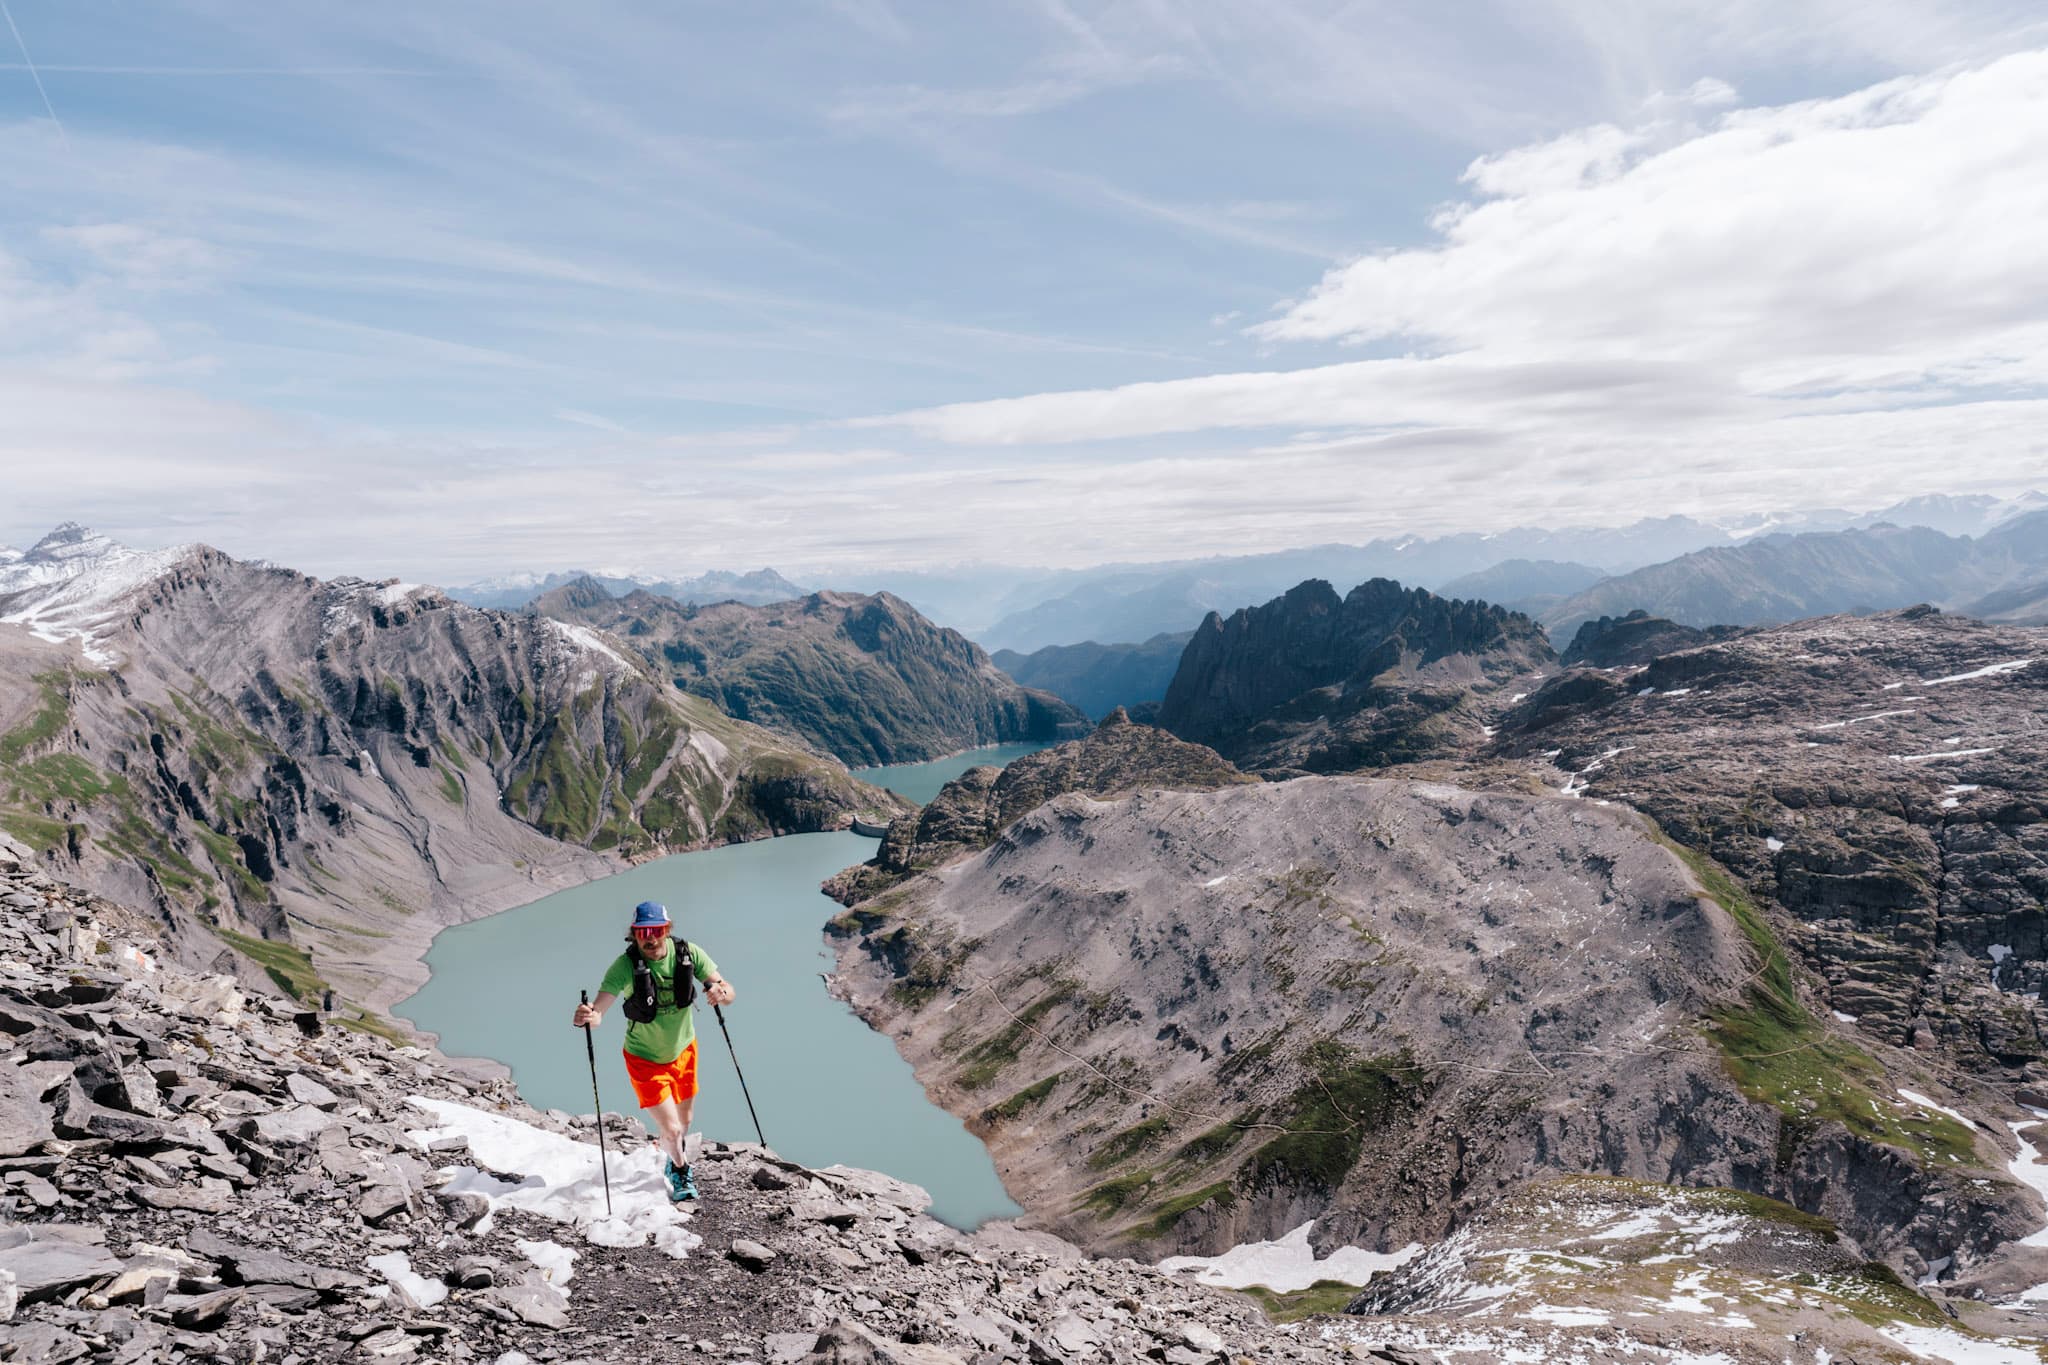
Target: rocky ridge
[1875,783]
[971,811]
[1311,682]
[1189,1020]
[303,780]
[865,678]
[1636,638]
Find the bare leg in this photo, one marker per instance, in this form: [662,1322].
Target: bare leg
[672,1120]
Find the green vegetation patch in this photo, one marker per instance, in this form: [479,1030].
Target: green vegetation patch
[1217,1142]
[41,835]
[53,709]
[285,963]
[1779,1054]
[1111,1196]
[451,788]
[212,745]
[1029,1097]
[362,1021]
[571,788]
[1168,1214]
[227,855]
[987,1059]
[144,842]
[65,777]
[1121,1147]
[1344,1098]
[1322,1297]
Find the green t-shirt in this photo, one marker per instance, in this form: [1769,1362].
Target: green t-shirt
[663,1038]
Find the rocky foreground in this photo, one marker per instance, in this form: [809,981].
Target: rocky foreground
[191,1173]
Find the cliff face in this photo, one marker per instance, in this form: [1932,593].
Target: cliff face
[1311,682]
[306,779]
[1877,782]
[1184,1020]
[976,807]
[865,678]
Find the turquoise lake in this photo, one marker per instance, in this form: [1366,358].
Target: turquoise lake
[827,1087]
[921,781]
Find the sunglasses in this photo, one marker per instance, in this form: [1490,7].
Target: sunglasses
[658,931]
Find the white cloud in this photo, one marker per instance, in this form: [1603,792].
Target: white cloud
[138,256]
[1719,287]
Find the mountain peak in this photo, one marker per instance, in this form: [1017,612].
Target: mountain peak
[69,541]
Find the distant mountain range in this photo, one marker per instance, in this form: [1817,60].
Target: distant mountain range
[2001,575]
[1020,610]
[1527,568]
[1099,678]
[517,590]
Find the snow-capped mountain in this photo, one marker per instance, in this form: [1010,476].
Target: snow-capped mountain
[1966,515]
[69,585]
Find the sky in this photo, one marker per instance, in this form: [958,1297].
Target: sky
[444,291]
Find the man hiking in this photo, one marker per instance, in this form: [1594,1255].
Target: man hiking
[661,1037]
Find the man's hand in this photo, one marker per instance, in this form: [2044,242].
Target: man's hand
[719,992]
[586,1016]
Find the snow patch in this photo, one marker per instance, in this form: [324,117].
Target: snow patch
[2028,1170]
[560,1178]
[1775,845]
[1988,671]
[1842,1018]
[80,598]
[1289,1263]
[397,1269]
[1916,1098]
[1569,1317]
[557,1263]
[589,641]
[1939,1343]
[1945,753]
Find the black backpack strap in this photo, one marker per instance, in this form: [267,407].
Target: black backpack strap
[686,975]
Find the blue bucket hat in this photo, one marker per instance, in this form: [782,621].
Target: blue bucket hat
[649,914]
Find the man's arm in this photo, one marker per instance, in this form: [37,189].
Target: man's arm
[717,989]
[592,1013]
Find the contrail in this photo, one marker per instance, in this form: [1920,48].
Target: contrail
[34,74]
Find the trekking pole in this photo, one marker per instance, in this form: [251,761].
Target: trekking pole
[603,1164]
[741,1074]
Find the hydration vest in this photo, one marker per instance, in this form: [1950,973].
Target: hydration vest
[645,1001]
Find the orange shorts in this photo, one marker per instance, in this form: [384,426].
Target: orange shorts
[654,1082]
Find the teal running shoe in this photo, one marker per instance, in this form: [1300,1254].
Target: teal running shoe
[682,1183]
